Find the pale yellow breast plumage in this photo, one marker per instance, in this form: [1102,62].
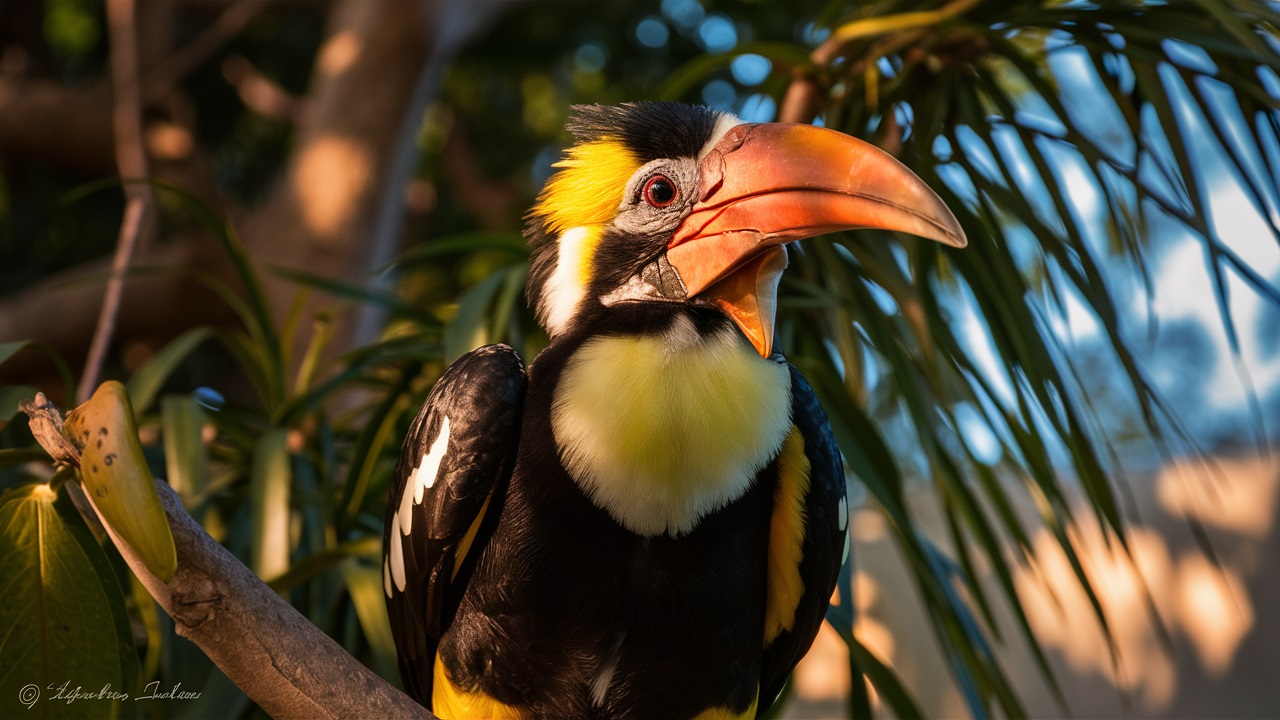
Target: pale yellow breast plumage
[661,430]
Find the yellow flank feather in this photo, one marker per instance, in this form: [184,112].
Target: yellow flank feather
[786,538]
[464,545]
[588,188]
[659,431]
[451,703]
[724,713]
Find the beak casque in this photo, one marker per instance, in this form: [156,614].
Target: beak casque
[769,184]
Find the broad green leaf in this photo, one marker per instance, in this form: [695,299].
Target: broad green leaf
[314,565]
[66,630]
[364,583]
[9,349]
[10,396]
[887,683]
[270,486]
[678,84]
[372,440]
[358,292]
[148,614]
[469,329]
[116,477]
[512,243]
[146,383]
[182,425]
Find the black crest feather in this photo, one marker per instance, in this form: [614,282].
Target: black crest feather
[652,129]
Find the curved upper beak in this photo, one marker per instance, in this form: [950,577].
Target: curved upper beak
[766,185]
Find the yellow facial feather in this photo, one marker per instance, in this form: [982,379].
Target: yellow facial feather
[588,188]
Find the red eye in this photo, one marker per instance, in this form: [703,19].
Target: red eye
[659,191]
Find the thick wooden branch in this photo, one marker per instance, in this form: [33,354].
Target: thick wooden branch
[278,658]
[266,647]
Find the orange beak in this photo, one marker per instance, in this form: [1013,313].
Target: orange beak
[766,185]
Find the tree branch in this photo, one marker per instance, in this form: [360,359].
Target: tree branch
[263,644]
[131,158]
[266,647]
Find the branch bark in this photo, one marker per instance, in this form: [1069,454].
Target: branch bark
[275,655]
[266,647]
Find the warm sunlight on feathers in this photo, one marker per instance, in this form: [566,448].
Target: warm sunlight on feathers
[586,189]
[653,452]
[786,538]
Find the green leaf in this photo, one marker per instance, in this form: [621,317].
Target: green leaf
[364,583]
[270,485]
[466,243]
[685,78]
[117,479]
[9,349]
[315,564]
[146,383]
[359,293]
[182,425]
[63,613]
[889,687]
[470,328]
[10,396]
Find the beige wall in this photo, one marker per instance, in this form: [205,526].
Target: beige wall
[1225,630]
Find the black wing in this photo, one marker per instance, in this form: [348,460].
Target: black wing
[445,498]
[825,530]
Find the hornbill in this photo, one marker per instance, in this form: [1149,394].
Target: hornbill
[649,522]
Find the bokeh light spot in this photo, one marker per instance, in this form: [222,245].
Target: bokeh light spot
[652,32]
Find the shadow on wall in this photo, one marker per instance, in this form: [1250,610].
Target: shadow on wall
[1225,642]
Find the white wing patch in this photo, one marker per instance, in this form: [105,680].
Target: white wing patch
[423,477]
[397,560]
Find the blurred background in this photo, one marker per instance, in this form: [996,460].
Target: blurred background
[1059,439]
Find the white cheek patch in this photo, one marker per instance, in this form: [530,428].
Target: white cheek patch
[566,287]
[423,477]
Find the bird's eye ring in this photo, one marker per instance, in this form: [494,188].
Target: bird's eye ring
[659,191]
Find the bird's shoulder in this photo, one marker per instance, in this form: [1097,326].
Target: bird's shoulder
[445,494]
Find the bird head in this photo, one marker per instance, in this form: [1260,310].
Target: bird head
[667,203]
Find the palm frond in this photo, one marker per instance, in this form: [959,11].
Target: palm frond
[1020,115]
